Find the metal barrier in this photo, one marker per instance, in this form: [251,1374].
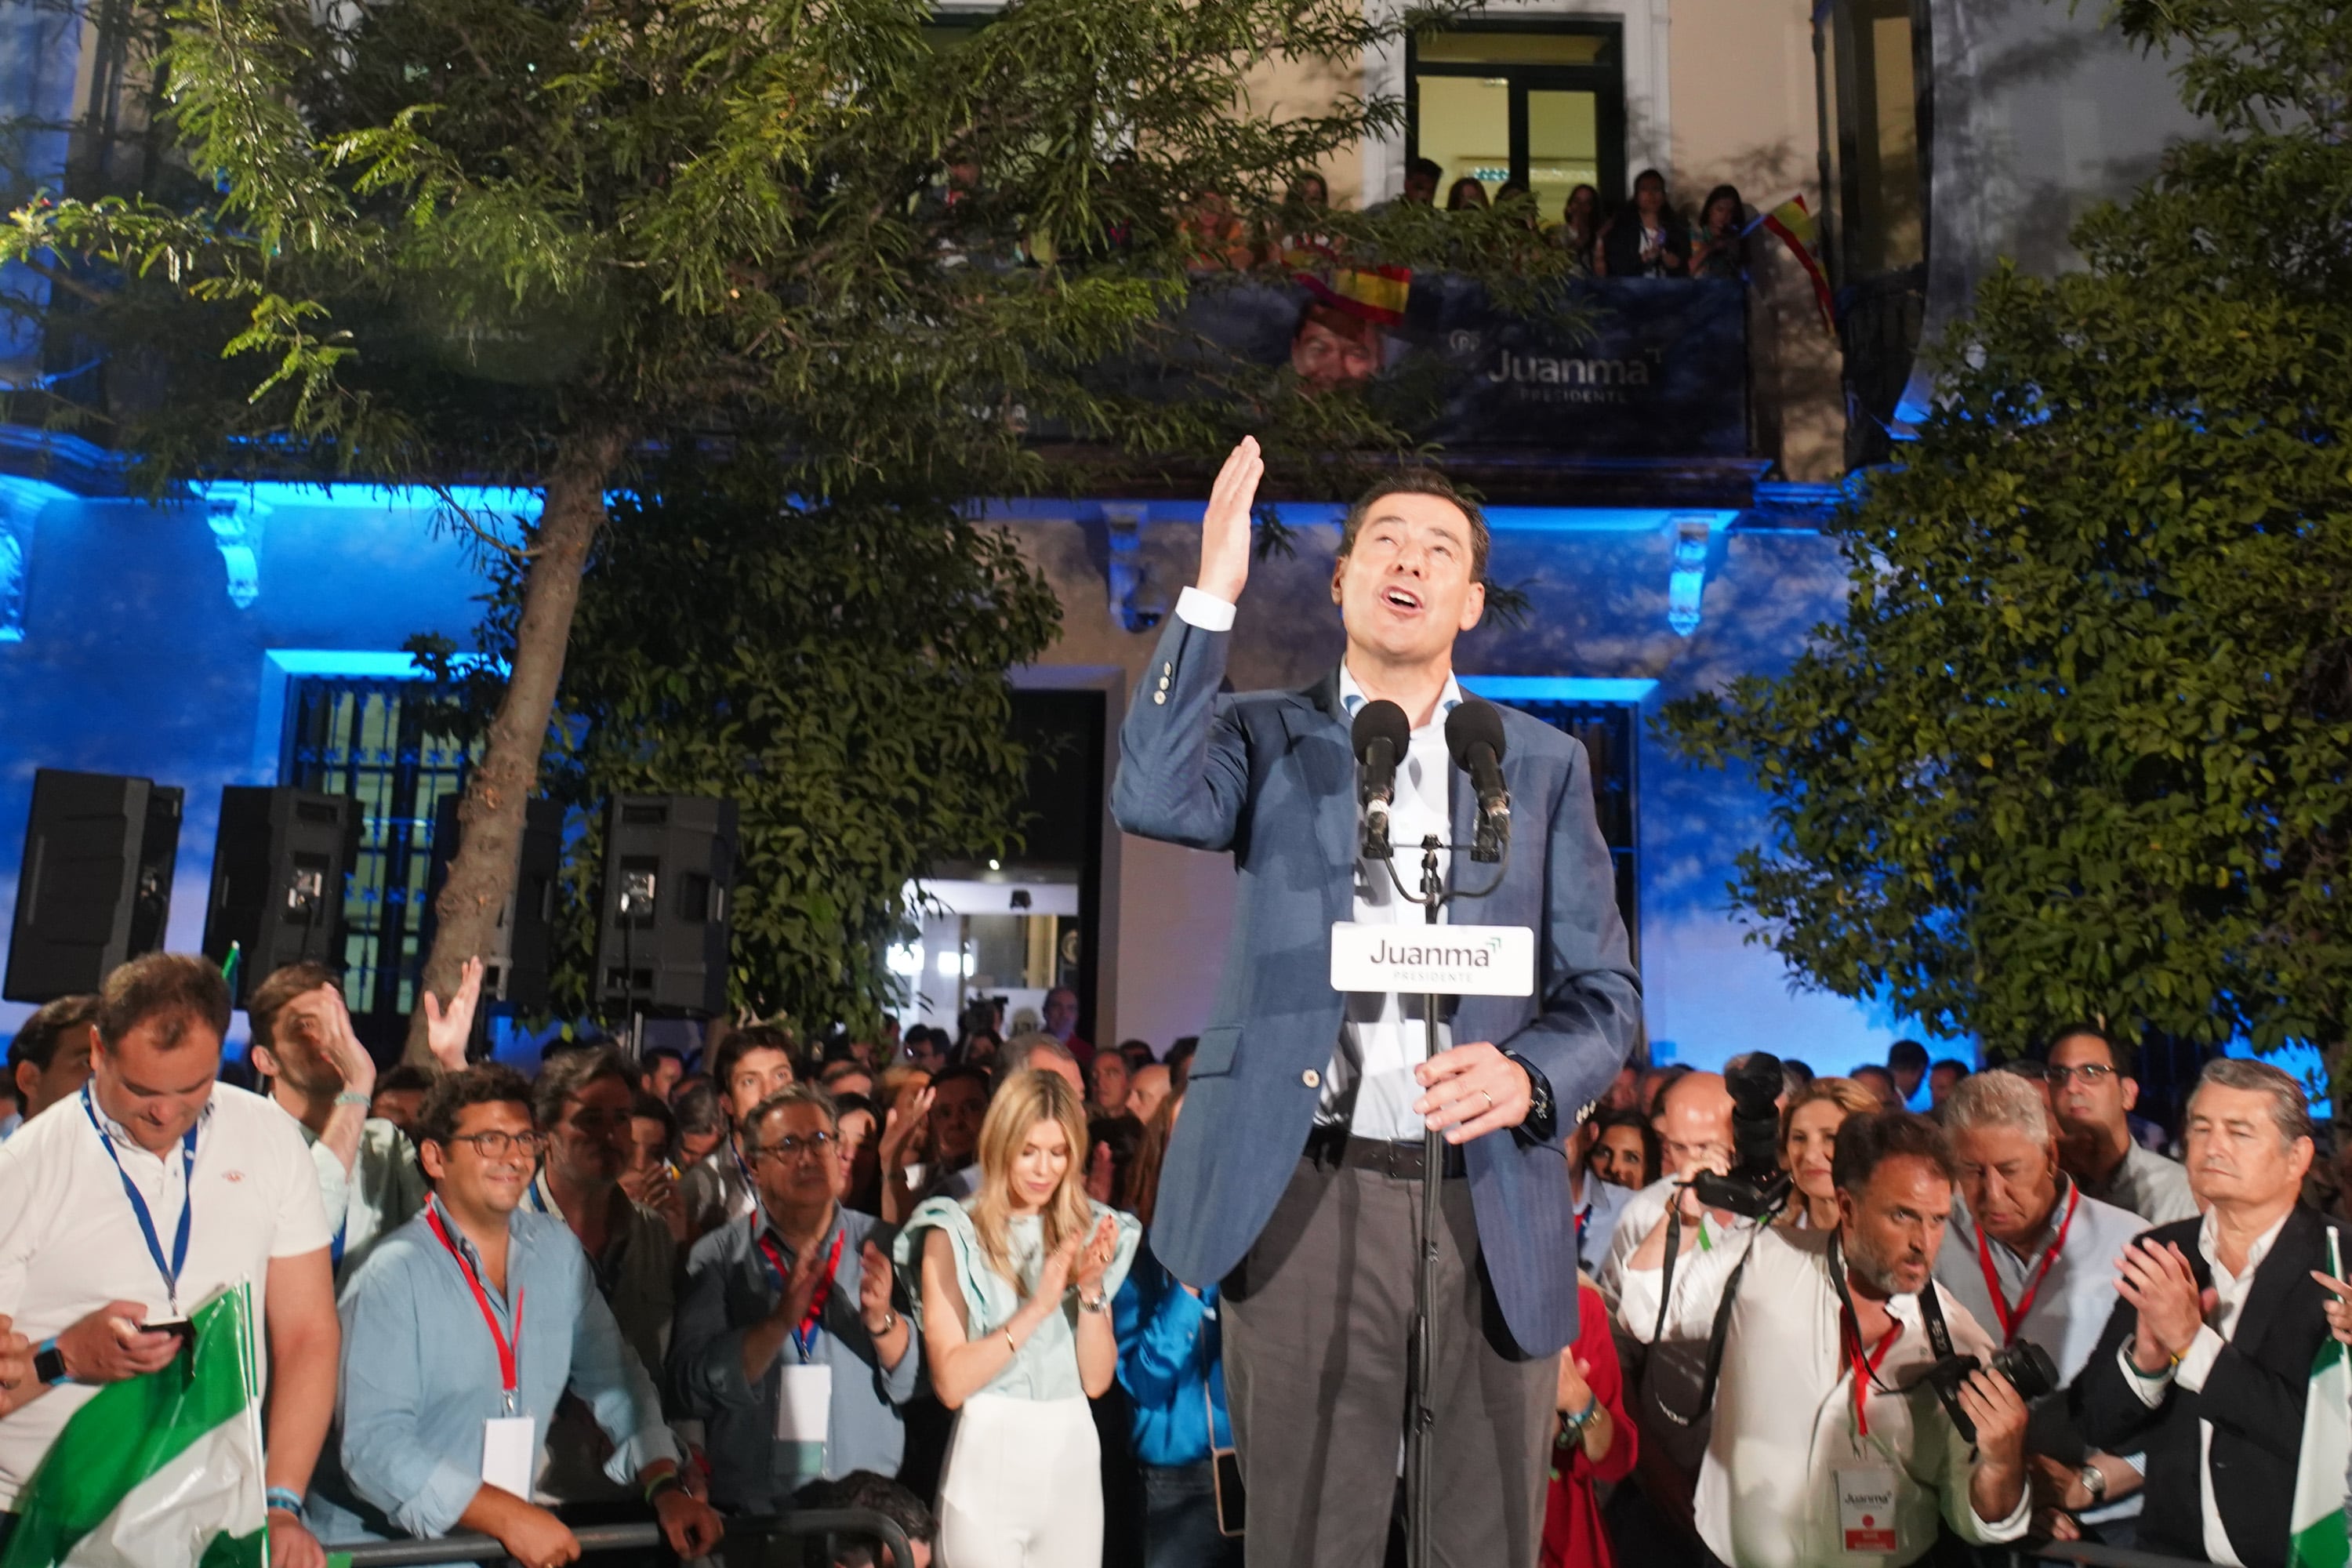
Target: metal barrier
[595,1538]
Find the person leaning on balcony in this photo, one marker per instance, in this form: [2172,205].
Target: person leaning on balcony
[1720,247]
[1647,238]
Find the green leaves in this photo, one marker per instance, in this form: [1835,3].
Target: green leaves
[2082,744]
[839,671]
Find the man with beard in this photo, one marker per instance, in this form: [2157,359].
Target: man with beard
[1827,1442]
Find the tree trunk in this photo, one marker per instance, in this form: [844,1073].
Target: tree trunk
[490,817]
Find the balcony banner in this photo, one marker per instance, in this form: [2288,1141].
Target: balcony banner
[1658,369]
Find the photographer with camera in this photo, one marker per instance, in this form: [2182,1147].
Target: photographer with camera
[2033,1259]
[1858,1402]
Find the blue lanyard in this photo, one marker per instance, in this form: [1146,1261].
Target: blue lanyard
[171,1271]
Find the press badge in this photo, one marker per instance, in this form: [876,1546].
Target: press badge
[509,1452]
[805,1404]
[1865,1497]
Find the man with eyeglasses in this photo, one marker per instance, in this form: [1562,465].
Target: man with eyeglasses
[585,1100]
[461,1334]
[2092,1089]
[787,1346]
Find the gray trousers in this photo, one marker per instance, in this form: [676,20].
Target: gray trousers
[1319,1334]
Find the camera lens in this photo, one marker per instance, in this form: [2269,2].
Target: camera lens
[2028,1368]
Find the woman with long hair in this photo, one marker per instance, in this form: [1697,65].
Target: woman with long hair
[1579,226]
[1809,1127]
[1465,194]
[1015,1294]
[1720,247]
[1171,1363]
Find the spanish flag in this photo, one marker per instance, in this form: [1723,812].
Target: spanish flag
[1793,222]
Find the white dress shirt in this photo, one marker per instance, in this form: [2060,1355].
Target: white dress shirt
[1784,1415]
[2197,1363]
[1670,1375]
[1382,1038]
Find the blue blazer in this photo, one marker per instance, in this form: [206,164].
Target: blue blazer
[1269,776]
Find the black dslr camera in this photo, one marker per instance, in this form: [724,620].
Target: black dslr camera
[2027,1366]
[1756,1185]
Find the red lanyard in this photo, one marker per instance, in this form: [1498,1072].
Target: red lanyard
[1865,1372]
[507,1348]
[804,1336]
[2010,1319]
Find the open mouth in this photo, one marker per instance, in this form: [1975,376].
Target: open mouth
[1403,599]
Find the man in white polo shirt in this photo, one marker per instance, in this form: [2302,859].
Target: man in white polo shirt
[142,1198]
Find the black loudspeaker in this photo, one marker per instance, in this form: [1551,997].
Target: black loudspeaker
[661,914]
[277,879]
[515,972]
[94,890]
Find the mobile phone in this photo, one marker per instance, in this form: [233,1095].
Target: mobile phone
[178,1328]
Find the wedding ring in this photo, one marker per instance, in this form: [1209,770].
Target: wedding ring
[1490,1100]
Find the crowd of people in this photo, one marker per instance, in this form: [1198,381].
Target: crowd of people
[913,1277]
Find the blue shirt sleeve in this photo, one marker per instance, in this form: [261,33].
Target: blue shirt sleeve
[706,1354]
[385,1456]
[1158,1352]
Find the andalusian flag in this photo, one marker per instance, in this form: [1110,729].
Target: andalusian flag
[1793,222]
[2318,1537]
[160,1469]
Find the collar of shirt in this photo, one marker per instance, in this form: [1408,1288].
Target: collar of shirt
[2026,1262]
[120,1135]
[2229,1286]
[516,1244]
[1352,697]
[769,1227]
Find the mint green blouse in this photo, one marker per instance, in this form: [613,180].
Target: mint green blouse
[1047,1367]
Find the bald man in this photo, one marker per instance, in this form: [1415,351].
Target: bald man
[1654,1522]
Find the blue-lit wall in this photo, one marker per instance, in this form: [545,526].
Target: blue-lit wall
[133,659]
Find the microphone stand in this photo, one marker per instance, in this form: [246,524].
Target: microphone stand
[1420,1457]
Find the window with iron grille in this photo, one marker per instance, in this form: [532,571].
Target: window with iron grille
[375,740]
[1610,733]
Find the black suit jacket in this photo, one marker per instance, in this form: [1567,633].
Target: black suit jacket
[2253,1397]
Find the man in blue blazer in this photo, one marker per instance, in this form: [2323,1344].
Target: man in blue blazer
[1294,1176]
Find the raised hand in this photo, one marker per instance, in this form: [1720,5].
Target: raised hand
[873,1289]
[342,1048]
[1225,525]
[903,1126]
[1053,1279]
[447,1028]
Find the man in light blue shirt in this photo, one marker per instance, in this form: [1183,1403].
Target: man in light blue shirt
[2032,1256]
[462,1332]
[795,1289]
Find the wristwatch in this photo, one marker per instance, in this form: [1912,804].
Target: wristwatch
[1101,1303]
[889,1321]
[1543,1115]
[50,1364]
[2095,1481]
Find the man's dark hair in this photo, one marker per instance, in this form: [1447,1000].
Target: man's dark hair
[46,1030]
[171,990]
[698,1109]
[1906,1056]
[741,1043]
[270,998]
[870,1492]
[403,1075]
[2023,1067]
[1953,1064]
[672,1052]
[1866,1143]
[484,1083]
[570,1074]
[1420,482]
[1137,1053]
[844,1105]
[649,1108]
[1429,168]
[2120,1054]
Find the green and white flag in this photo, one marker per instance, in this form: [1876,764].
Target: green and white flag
[2318,1537]
[159,1471]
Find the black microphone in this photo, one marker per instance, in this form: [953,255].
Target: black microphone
[1474,733]
[1380,737]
